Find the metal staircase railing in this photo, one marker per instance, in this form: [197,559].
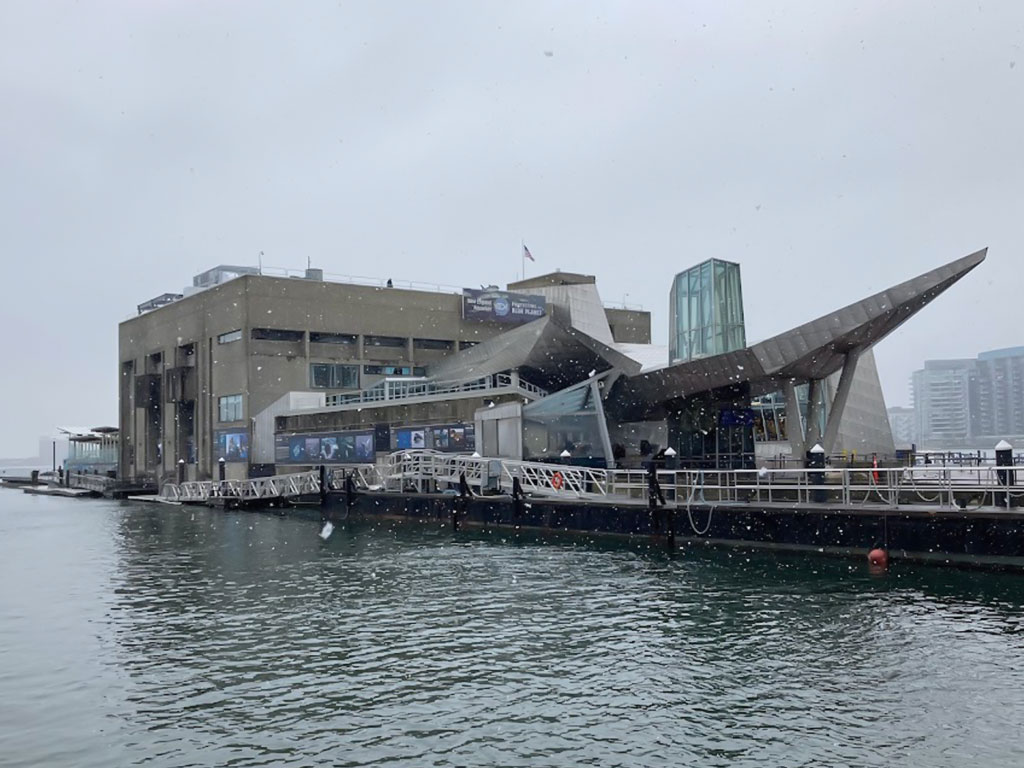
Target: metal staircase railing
[431,471]
[253,489]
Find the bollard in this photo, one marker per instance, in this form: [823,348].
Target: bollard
[816,461]
[655,499]
[323,486]
[1006,477]
[461,502]
[350,491]
[518,502]
[181,471]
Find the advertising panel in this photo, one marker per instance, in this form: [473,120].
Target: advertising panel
[231,445]
[332,448]
[450,438]
[501,306]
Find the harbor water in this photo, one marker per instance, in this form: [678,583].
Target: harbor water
[135,634]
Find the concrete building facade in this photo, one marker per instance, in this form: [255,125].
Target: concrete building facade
[196,372]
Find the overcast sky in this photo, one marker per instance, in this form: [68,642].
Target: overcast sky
[833,149]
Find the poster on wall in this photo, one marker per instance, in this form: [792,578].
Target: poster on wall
[411,439]
[232,445]
[501,306]
[449,438]
[333,448]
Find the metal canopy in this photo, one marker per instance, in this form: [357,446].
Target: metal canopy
[813,350]
[551,353]
[547,352]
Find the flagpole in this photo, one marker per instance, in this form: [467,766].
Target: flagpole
[522,257]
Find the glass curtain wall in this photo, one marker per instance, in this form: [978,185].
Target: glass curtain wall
[706,311]
[770,414]
[571,420]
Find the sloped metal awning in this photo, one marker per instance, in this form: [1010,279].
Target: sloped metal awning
[547,352]
[813,350]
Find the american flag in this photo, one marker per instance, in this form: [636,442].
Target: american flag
[527,254]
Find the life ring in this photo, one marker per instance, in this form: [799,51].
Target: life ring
[557,481]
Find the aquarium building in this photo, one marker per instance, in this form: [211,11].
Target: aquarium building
[266,374]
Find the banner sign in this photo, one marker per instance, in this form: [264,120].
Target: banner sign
[231,445]
[450,438]
[501,306]
[736,417]
[329,448]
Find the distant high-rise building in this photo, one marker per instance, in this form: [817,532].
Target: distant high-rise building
[970,402]
[904,426]
[942,402]
[999,393]
[706,311]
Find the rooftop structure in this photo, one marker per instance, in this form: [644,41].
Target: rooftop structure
[706,311]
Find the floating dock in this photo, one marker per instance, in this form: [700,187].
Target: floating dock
[955,516]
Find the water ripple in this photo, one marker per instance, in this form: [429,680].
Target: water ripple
[169,637]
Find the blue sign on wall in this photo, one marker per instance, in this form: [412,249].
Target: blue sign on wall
[501,306]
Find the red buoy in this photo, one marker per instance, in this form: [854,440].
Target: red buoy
[878,558]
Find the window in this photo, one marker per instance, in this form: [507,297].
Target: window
[277,334]
[230,408]
[384,341]
[432,344]
[333,376]
[318,337]
[467,344]
[394,370]
[227,338]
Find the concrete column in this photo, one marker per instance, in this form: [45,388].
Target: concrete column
[835,413]
[812,432]
[794,420]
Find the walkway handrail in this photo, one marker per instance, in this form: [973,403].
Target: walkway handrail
[252,489]
[431,471]
[891,486]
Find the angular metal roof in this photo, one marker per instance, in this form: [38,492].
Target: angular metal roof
[547,352]
[813,350]
[551,353]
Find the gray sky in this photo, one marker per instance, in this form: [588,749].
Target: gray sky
[831,148]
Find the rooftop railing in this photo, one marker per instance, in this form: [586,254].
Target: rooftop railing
[406,388]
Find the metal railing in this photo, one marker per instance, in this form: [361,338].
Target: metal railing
[367,477]
[253,489]
[88,482]
[950,488]
[428,471]
[406,388]
[377,282]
